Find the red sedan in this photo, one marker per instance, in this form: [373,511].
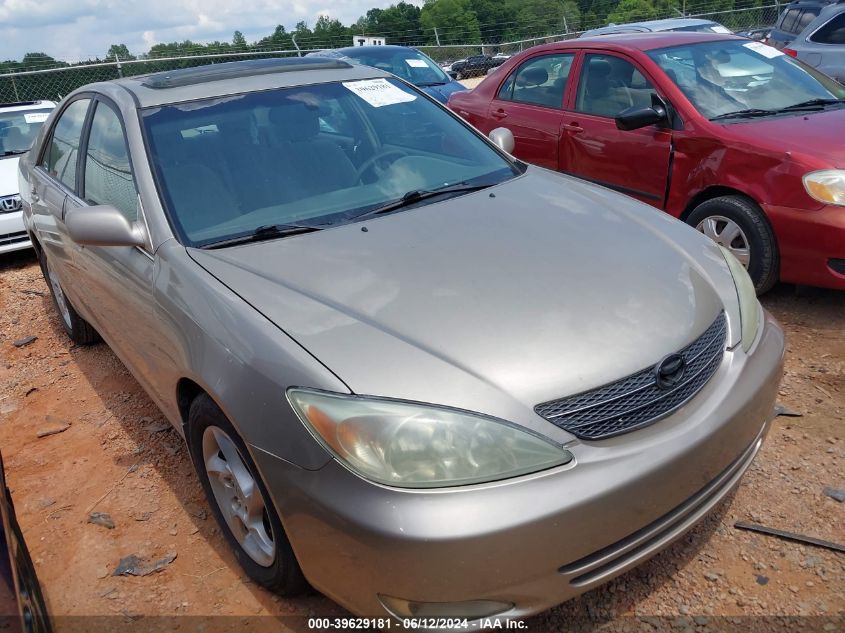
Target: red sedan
[730,135]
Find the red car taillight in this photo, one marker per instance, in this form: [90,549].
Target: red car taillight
[790,52]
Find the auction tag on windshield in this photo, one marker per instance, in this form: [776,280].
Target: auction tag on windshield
[718,28]
[378,92]
[35,117]
[416,63]
[764,49]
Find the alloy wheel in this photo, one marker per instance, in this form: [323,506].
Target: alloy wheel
[238,496]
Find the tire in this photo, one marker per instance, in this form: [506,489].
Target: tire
[279,571]
[459,76]
[714,218]
[77,328]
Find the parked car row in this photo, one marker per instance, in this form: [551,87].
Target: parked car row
[730,135]
[426,377]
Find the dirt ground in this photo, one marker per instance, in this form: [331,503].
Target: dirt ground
[120,457]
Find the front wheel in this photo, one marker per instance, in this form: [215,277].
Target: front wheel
[239,500]
[77,328]
[739,225]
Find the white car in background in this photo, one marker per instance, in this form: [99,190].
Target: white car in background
[19,125]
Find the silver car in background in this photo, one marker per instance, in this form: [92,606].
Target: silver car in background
[426,377]
[822,43]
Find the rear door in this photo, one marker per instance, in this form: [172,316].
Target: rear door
[529,103]
[52,180]
[634,162]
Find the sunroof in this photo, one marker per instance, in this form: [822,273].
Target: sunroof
[232,70]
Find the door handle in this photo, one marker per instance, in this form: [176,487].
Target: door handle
[34,195]
[499,114]
[573,128]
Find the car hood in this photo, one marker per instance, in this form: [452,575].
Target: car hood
[552,287]
[442,93]
[807,133]
[9,175]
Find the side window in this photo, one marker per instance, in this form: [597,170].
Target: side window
[539,81]
[108,175]
[831,33]
[63,147]
[611,84]
[787,22]
[806,17]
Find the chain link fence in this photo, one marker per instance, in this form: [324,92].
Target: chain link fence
[54,83]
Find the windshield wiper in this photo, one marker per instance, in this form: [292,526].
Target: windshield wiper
[432,83]
[811,104]
[15,152]
[750,113]
[267,232]
[416,195]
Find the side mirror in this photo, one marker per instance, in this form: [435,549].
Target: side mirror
[503,138]
[102,225]
[635,117]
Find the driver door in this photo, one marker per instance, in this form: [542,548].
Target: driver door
[634,162]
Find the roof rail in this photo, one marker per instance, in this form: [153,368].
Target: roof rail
[233,70]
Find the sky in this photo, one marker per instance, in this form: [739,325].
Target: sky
[72,30]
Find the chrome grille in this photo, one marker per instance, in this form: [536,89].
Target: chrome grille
[637,401]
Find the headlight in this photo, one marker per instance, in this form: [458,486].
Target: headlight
[826,186]
[749,307]
[421,446]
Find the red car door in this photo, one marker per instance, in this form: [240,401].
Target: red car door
[635,162]
[529,103]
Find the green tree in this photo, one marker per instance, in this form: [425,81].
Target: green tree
[455,21]
[119,51]
[495,18]
[398,24]
[239,41]
[632,11]
[329,33]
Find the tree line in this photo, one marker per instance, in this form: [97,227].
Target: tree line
[443,22]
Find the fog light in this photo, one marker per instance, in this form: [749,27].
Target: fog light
[469,609]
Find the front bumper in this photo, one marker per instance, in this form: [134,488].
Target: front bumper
[810,242]
[13,235]
[538,540]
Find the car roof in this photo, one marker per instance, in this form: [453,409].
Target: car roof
[640,41]
[20,106]
[665,24]
[231,78]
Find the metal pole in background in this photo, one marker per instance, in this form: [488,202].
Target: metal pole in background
[119,67]
[436,36]
[15,88]
[293,39]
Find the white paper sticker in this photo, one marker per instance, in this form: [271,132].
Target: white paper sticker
[378,92]
[718,28]
[416,63]
[764,49]
[35,117]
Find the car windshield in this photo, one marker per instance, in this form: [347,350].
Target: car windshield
[18,129]
[320,154]
[410,65]
[733,76]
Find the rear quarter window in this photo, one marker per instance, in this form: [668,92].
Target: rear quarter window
[831,33]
